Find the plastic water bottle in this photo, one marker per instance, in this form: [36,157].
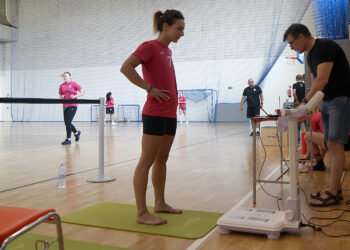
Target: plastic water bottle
[61,180]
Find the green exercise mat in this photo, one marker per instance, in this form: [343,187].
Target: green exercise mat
[27,242]
[190,224]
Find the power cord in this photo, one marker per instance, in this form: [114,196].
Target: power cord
[319,227]
[309,222]
[281,149]
[259,178]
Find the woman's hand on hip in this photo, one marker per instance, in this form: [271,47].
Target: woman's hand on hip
[160,94]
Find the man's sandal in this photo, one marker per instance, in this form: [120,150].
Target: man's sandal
[318,194]
[329,201]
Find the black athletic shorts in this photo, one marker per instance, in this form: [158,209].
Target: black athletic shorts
[110,110]
[253,111]
[347,145]
[155,125]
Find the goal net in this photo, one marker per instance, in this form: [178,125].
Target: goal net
[122,113]
[200,104]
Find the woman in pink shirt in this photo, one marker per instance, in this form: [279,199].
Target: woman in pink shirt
[110,107]
[182,106]
[159,111]
[69,90]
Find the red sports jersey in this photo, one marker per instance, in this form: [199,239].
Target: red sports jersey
[109,104]
[68,89]
[317,122]
[158,70]
[183,100]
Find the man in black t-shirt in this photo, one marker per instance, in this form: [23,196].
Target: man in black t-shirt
[254,100]
[330,73]
[298,90]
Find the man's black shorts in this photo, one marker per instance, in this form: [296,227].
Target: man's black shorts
[155,125]
[253,111]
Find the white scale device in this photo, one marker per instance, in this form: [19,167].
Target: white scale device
[273,222]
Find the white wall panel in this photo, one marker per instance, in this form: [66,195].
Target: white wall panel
[225,43]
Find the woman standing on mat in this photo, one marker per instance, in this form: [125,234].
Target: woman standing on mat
[69,90]
[159,111]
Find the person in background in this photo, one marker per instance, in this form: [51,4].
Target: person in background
[159,111]
[298,94]
[298,90]
[255,100]
[110,108]
[182,107]
[319,147]
[70,90]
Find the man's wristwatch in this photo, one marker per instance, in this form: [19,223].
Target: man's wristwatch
[304,100]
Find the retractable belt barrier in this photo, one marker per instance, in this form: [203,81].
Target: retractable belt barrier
[100,101]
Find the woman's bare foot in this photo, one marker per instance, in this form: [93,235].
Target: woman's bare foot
[165,208]
[150,219]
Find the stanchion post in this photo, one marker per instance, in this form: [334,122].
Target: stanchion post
[101,135]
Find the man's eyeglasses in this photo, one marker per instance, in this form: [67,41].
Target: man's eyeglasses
[291,43]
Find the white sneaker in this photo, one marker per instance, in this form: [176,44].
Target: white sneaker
[303,167]
[114,123]
[186,122]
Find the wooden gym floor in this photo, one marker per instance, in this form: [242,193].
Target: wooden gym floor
[209,169]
